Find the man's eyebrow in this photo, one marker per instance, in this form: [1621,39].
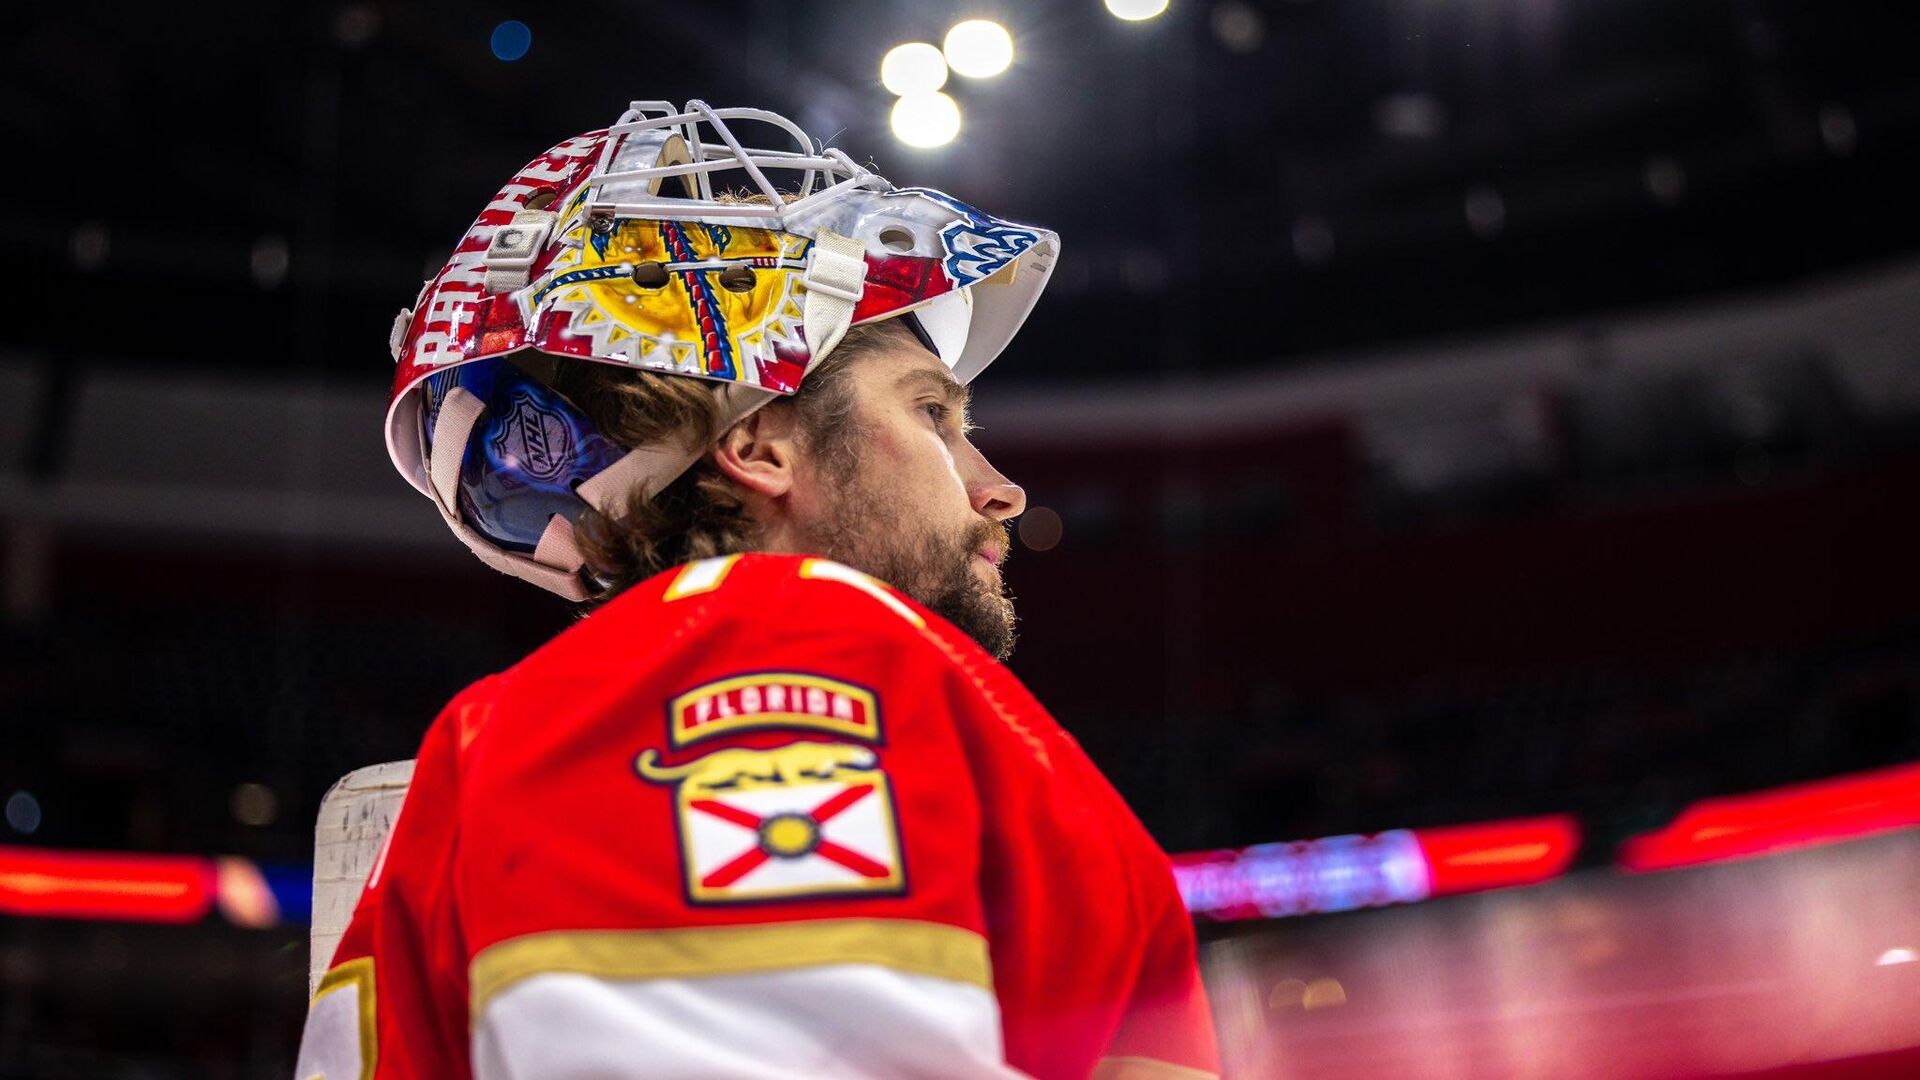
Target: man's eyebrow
[955,394]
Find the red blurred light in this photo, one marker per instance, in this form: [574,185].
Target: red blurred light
[1821,812]
[85,885]
[1499,854]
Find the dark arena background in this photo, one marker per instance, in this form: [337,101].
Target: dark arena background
[1473,449]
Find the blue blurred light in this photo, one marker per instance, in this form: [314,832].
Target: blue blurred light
[512,39]
[292,886]
[23,812]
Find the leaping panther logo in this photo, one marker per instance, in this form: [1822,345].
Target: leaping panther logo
[743,769]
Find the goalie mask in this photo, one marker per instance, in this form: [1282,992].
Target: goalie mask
[612,248]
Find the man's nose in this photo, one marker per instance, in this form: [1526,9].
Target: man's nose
[994,495]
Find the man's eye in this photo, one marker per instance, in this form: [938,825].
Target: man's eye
[936,410]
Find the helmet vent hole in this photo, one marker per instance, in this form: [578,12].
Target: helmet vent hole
[737,279]
[897,240]
[650,275]
[541,200]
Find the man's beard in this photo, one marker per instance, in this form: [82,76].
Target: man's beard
[935,569]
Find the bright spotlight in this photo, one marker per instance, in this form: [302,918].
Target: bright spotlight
[1136,10]
[926,120]
[913,68]
[979,48]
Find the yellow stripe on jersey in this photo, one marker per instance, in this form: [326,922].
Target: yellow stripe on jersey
[356,975]
[828,570]
[702,576]
[1145,1068]
[920,948]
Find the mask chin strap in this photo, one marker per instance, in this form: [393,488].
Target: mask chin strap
[645,472]
[835,278]
[641,474]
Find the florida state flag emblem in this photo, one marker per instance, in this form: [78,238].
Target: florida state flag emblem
[804,819]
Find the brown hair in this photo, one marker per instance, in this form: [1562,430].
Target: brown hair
[701,514]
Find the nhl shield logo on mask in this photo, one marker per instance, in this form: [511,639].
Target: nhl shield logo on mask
[536,437]
[800,820]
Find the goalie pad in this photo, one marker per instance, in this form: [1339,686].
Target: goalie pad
[356,815]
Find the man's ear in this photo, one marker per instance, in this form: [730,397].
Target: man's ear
[758,453]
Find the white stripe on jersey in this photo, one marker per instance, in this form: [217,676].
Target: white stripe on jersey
[839,1020]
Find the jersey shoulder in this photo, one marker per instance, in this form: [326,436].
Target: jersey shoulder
[804,640]
[763,737]
[758,603]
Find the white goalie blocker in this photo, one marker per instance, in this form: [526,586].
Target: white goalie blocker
[356,815]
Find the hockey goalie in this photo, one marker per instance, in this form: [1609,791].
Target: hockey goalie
[773,808]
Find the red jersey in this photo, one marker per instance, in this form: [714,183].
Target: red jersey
[761,816]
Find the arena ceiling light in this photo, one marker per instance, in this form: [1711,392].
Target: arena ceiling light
[979,48]
[1136,10]
[926,120]
[914,68]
